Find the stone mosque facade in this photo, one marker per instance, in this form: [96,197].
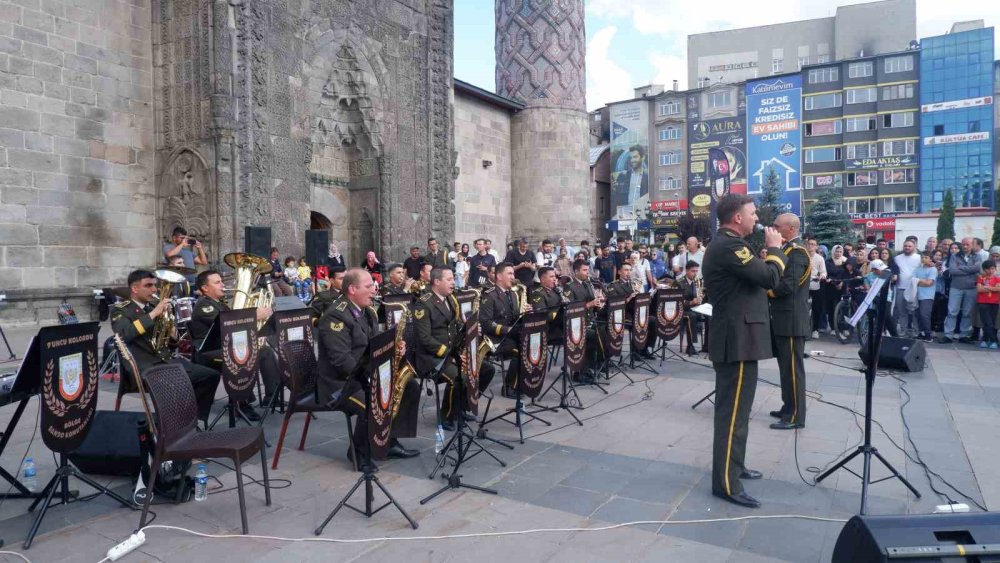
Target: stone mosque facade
[122,119]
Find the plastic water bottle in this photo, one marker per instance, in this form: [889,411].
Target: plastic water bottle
[29,474]
[201,483]
[439,440]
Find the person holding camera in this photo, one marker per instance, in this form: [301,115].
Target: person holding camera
[189,249]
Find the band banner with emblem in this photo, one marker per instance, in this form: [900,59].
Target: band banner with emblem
[395,307]
[381,383]
[534,353]
[575,344]
[467,302]
[470,367]
[290,326]
[669,312]
[616,325]
[238,331]
[640,321]
[68,358]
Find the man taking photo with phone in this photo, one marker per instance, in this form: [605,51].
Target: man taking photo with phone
[190,249]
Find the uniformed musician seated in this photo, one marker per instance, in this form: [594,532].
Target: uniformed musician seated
[321,300]
[396,284]
[135,319]
[439,327]
[343,334]
[182,289]
[546,296]
[206,311]
[689,283]
[498,318]
[582,289]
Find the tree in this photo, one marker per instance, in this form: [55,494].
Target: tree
[768,206]
[946,219]
[996,221]
[690,226]
[827,221]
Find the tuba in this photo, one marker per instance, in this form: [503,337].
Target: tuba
[249,269]
[404,371]
[163,327]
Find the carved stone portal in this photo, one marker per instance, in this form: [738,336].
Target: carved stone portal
[186,197]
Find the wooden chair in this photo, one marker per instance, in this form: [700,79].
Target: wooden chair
[178,438]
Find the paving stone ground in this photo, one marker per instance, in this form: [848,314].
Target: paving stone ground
[643,454]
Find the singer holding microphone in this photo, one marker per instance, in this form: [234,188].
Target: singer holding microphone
[736,282]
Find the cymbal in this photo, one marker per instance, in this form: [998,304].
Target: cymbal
[182,270]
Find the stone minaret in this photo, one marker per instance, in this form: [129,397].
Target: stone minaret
[540,51]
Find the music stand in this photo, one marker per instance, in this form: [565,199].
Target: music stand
[68,357]
[375,358]
[26,385]
[633,347]
[611,354]
[225,337]
[878,297]
[575,346]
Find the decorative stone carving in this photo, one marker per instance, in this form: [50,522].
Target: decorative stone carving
[541,51]
[186,196]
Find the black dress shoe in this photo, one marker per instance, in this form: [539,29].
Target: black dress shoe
[448,425]
[249,412]
[691,352]
[742,499]
[508,393]
[469,417]
[751,474]
[399,452]
[776,414]
[785,425]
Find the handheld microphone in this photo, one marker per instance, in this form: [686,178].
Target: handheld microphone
[758,228]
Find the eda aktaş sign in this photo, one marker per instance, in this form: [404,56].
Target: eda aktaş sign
[880,162]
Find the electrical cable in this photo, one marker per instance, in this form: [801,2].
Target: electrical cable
[286,482]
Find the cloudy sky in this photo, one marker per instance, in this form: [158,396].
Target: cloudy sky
[635,42]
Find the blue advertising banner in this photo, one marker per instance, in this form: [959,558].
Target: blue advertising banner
[774,138]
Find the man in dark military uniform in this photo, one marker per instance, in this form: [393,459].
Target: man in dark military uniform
[498,316]
[688,283]
[436,256]
[206,310]
[790,323]
[438,324]
[324,299]
[546,296]
[736,282]
[343,335]
[396,282]
[134,320]
[581,289]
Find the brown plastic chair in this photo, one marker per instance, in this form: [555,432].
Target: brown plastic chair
[178,438]
[302,385]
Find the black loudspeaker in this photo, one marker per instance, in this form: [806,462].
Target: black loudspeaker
[952,537]
[257,241]
[317,246]
[900,354]
[112,445]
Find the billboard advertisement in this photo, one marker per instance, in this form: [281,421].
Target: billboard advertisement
[774,138]
[717,163]
[629,159]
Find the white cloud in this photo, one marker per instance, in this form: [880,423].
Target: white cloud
[606,80]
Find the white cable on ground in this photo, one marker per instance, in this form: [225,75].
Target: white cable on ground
[498,534]
[16,554]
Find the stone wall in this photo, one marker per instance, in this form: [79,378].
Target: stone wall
[482,195]
[76,160]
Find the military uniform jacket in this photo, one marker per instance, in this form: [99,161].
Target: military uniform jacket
[343,333]
[206,310]
[790,298]
[437,327]
[690,291]
[497,313]
[132,322]
[618,288]
[546,299]
[439,258]
[576,291]
[736,281]
[321,301]
[391,289]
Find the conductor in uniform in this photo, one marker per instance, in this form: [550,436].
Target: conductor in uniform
[737,282]
[790,323]
[344,331]
[437,319]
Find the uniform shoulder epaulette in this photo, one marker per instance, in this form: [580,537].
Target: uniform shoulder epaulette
[489,290]
[425,297]
[341,305]
[123,304]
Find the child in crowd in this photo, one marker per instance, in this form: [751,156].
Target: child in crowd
[305,280]
[988,301]
[461,270]
[926,276]
[291,274]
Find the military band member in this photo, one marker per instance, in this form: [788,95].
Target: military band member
[688,283]
[438,324]
[621,287]
[580,289]
[736,282]
[134,320]
[323,299]
[546,296]
[343,335]
[790,323]
[396,283]
[425,276]
[206,310]
[436,256]
[498,319]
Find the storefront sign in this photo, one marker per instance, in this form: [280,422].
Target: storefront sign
[774,111]
[957,104]
[960,138]
[880,162]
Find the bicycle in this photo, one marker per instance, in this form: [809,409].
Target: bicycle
[843,312]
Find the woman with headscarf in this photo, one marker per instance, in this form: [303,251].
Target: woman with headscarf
[642,275]
[836,273]
[373,266]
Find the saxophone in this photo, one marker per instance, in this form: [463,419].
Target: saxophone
[521,295]
[404,371]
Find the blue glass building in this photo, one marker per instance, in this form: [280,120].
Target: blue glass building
[956,121]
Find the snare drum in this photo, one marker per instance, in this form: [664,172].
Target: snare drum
[184,309]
